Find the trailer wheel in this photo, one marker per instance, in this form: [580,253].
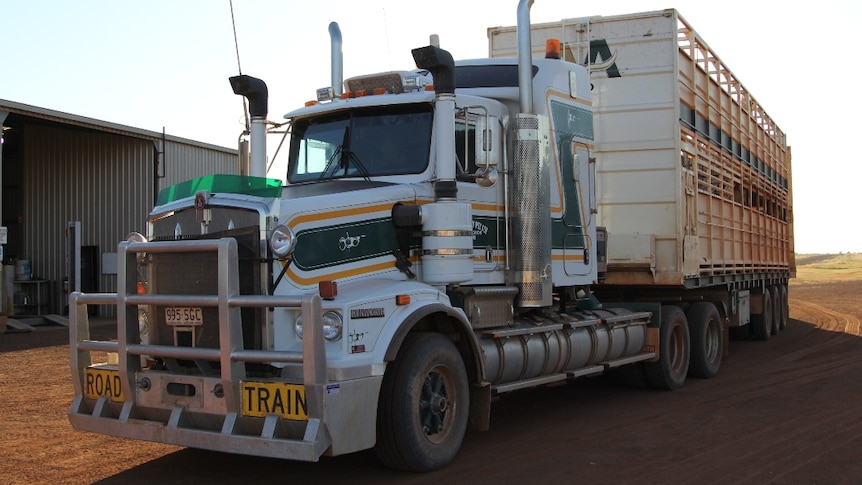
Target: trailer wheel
[668,373]
[761,324]
[785,307]
[707,341]
[424,404]
[776,309]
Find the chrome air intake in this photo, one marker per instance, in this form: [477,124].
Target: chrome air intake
[256,92]
[447,224]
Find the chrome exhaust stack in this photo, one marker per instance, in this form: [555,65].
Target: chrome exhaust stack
[525,57]
[531,200]
[336,59]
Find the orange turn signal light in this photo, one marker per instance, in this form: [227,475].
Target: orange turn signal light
[327,290]
[402,300]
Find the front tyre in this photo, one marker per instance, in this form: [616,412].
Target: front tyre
[424,404]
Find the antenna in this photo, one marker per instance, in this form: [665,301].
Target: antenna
[235,41]
[239,67]
[386,30]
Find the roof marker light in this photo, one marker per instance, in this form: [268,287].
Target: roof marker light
[325,94]
[552,49]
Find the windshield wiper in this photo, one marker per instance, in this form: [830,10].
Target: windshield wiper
[360,168]
[339,150]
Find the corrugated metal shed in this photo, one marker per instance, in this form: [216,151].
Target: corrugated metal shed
[58,167]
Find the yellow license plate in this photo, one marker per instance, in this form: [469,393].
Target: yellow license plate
[103,383]
[263,398]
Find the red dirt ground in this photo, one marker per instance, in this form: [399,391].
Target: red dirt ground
[781,411]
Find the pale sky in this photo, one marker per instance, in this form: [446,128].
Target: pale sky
[165,63]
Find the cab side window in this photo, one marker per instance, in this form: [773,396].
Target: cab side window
[465,141]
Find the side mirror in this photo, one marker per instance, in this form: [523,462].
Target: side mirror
[488,141]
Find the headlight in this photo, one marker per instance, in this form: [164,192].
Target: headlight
[136,237]
[282,241]
[297,326]
[333,326]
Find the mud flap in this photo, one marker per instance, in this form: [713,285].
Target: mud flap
[480,406]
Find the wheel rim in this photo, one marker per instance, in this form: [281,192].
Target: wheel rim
[436,404]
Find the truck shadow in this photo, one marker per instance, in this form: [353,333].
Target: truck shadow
[50,335]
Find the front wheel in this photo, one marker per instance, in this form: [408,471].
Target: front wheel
[424,405]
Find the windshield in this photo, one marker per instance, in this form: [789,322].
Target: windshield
[387,140]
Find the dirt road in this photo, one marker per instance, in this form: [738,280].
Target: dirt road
[782,411]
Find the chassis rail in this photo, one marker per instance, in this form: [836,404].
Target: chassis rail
[231,355]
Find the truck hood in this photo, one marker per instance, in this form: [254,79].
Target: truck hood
[343,229]
[301,191]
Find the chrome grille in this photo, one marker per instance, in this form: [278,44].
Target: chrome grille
[196,273]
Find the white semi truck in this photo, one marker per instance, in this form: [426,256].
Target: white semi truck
[445,236]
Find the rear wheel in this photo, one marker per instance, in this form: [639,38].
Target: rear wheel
[707,341]
[761,324]
[785,307]
[424,403]
[668,373]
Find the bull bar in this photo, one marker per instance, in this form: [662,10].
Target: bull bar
[306,444]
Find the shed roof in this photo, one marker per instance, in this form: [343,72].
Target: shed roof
[99,125]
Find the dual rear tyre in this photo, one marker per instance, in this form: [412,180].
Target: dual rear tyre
[707,339]
[689,344]
[669,372]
